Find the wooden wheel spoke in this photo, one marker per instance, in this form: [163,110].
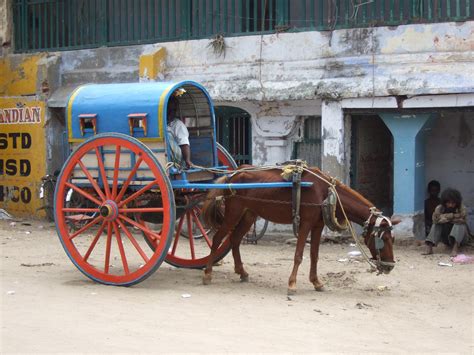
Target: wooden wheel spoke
[154,236]
[107,248]
[177,234]
[191,236]
[83,193]
[91,180]
[133,241]
[121,249]
[94,242]
[80,210]
[141,209]
[201,228]
[116,172]
[100,162]
[129,179]
[86,227]
[138,193]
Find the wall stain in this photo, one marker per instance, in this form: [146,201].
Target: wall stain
[465,133]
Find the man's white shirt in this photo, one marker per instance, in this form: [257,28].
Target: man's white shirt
[179,131]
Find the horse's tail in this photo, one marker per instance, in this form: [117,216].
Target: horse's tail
[212,211]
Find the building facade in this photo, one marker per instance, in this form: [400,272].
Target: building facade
[380,94]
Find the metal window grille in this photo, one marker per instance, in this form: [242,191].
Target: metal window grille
[309,148]
[71,24]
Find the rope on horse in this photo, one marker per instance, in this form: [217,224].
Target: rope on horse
[332,184]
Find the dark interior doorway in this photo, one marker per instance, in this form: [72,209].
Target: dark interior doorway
[309,147]
[234,132]
[371,171]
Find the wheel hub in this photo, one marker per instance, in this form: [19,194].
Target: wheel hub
[109,210]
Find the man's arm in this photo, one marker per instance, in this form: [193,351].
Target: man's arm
[460,217]
[186,150]
[440,218]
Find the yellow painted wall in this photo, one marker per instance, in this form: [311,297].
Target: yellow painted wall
[19,75]
[152,65]
[22,154]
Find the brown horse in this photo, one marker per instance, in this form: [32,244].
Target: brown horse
[274,204]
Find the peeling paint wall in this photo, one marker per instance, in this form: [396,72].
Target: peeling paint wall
[275,126]
[406,60]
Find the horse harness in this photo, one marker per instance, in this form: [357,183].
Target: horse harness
[377,233]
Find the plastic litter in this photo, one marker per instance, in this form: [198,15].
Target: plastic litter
[343,260]
[4,214]
[10,292]
[382,288]
[354,253]
[463,259]
[12,224]
[186,295]
[445,264]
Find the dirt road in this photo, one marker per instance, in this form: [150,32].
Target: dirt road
[47,305]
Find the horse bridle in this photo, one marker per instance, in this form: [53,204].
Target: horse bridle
[377,232]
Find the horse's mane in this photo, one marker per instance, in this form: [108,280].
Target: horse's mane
[343,187]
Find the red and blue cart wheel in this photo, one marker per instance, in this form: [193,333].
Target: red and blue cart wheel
[193,251]
[113,172]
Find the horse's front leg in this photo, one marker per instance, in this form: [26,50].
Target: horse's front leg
[313,271]
[236,238]
[302,235]
[216,242]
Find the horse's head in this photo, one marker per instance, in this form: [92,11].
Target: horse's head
[379,239]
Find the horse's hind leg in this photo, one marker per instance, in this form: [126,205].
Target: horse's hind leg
[236,237]
[313,271]
[302,234]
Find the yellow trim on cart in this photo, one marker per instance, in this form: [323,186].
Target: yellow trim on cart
[69,114]
[160,111]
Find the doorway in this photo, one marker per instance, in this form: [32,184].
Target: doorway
[234,132]
[371,170]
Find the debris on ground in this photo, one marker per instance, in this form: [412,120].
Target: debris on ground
[445,264]
[185,295]
[4,214]
[10,292]
[343,260]
[354,253]
[12,224]
[362,305]
[382,288]
[36,265]
[463,259]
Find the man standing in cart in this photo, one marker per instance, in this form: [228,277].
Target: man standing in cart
[178,135]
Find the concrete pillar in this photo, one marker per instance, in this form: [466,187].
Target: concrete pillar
[332,127]
[409,166]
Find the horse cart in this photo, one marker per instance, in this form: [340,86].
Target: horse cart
[122,206]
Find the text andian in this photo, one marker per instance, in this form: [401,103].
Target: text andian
[21,115]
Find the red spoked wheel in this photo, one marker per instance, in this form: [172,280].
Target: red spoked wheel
[192,238]
[113,172]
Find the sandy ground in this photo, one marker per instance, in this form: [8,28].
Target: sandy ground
[47,305]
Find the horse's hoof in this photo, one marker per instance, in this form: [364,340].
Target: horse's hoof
[291,291]
[319,288]
[244,278]
[206,279]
